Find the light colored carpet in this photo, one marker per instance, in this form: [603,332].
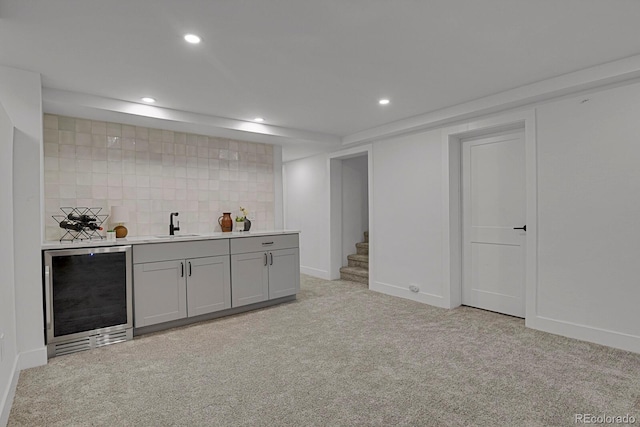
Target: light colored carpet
[340,355]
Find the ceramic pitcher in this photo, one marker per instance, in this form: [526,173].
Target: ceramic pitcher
[225,221]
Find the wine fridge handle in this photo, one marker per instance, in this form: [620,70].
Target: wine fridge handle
[47,295]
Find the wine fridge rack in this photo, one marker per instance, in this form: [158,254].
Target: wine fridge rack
[80,223]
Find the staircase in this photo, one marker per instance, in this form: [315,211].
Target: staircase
[358,267]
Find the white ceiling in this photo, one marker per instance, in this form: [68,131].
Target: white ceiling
[318,66]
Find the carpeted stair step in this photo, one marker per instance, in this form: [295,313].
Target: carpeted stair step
[362,248]
[360,261]
[354,274]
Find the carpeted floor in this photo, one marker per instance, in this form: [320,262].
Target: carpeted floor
[340,355]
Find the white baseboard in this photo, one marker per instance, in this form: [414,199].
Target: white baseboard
[315,272]
[398,291]
[6,398]
[32,358]
[585,333]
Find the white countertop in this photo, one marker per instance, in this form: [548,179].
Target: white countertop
[135,240]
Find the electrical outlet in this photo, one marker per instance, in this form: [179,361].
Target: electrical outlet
[414,288]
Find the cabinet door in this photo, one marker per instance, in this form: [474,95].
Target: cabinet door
[284,273]
[159,292]
[250,278]
[208,285]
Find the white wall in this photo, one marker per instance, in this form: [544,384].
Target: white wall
[8,338]
[20,94]
[588,195]
[407,176]
[589,211]
[306,197]
[355,204]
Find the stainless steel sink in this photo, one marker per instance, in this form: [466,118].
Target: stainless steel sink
[177,236]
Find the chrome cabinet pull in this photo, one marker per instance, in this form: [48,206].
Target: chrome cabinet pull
[267,243]
[182,269]
[189,268]
[271,254]
[265,258]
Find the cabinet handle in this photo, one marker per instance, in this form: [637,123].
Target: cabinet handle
[182,269]
[271,254]
[265,259]
[189,268]
[267,243]
[47,295]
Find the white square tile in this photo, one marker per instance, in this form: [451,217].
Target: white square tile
[169,193]
[84,165]
[66,137]
[114,154]
[144,193]
[51,150]
[99,191]
[142,170]
[114,129]
[99,166]
[155,135]
[83,152]
[84,139]
[115,192]
[99,153]
[128,131]
[84,191]
[142,133]
[114,142]
[114,180]
[67,165]
[142,181]
[51,177]
[51,136]
[99,141]
[99,128]
[167,159]
[83,126]
[155,194]
[142,145]
[99,179]
[129,180]
[114,166]
[50,121]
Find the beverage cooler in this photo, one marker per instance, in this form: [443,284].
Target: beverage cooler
[88,298]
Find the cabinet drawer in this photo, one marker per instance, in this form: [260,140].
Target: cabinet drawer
[155,252]
[263,243]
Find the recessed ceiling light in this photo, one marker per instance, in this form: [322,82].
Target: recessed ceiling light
[192,38]
[258,119]
[383,101]
[149,99]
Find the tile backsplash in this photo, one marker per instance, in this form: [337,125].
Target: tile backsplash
[154,172]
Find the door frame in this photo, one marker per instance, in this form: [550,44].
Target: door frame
[334,165]
[452,264]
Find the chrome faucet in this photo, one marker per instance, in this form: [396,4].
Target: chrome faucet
[173,228]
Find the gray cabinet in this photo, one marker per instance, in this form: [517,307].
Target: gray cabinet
[166,288]
[265,267]
[159,292]
[208,285]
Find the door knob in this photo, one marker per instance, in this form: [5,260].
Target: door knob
[520,228]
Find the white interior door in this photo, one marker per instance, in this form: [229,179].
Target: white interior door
[494,206]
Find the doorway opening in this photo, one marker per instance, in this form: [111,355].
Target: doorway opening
[350,201]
